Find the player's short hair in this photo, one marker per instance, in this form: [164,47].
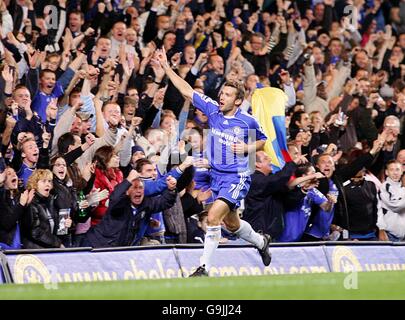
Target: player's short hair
[240,90]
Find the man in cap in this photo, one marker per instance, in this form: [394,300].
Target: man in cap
[137,153]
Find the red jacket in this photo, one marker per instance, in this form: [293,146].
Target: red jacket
[105,180]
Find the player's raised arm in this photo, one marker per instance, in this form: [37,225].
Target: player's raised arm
[185,89]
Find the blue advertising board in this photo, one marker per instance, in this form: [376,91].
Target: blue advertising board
[2,280]
[365,258]
[93,266]
[175,262]
[247,261]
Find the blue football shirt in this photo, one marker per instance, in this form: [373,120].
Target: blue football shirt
[41,101]
[225,131]
[321,225]
[295,221]
[24,173]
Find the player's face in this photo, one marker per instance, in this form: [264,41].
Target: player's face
[227,99]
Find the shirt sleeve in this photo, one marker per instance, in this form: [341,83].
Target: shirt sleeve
[58,90]
[259,131]
[316,196]
[204,103]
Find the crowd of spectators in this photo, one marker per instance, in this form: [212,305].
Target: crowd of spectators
[99,148]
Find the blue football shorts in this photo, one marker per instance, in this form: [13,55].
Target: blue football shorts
[231,187]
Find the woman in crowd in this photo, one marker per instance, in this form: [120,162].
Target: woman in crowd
[40,215]
[9,217]
[108,175]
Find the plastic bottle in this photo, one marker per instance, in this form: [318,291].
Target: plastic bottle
[82,212]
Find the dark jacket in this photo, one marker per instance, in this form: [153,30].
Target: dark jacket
[362,206]
[65,197]
[8,216]
[119,226]
[36,232]
[340,176]
[175,222]
[263,204]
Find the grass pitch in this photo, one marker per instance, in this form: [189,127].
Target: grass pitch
[367,285]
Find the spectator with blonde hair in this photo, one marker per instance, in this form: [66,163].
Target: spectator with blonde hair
[40,216]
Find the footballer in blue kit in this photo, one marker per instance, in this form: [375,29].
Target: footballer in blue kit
[233,136]
[230,175]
